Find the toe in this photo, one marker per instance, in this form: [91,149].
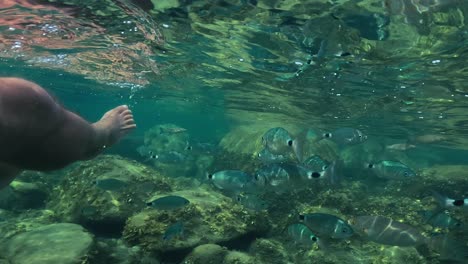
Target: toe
[126,112]
[130,121]
[127,127]
[121,108]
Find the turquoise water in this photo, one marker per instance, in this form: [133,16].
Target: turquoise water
[227,71]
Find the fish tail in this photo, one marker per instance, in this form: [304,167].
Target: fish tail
[323,49]
[334,172]
[298,145]
[298,148]
[323,244]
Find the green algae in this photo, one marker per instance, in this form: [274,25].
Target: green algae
[210,217]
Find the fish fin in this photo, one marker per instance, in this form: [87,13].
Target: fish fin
[323,244]
[333,172]
[440,199]
[323,49]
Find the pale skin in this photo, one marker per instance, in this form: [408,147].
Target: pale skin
[37,133]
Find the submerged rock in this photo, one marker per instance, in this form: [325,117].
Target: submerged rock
[61,243]
[110,250]
[206,254]
[236,257]
[209,218]
[29,195]
[269,251]
[79,199]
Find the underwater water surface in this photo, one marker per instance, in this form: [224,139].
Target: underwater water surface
[263,129]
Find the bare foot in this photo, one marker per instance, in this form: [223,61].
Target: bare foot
[115,124]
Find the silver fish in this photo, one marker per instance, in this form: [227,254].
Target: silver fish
[252,202]
[302,234]
[394,170]
[346,136]
[449,203]
[174,230]
[170,157]
[278,141]
[400,146]
[145,152]
[449,248]
[110,184]
[386,231]
[266,157]
[440,218]
[232,180]
[171,129]
[316,164]
[170,202]
[327,225]
[282,176]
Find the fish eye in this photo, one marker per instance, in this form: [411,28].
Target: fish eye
[370,166]
[290,142]
[314,238]
[315,174]
[210,176]
[458,202]
[346,53]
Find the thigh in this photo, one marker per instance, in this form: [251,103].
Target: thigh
[27,114]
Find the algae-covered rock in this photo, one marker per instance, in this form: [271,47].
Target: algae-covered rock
[269,251]
[101,194]
[456,173]
[236,257]
[5,215]
[206,254]
[396,255]
[448,180]
[209,218]
[111,250]
[20,195]
[12,223]
[61,243]
[29,195]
